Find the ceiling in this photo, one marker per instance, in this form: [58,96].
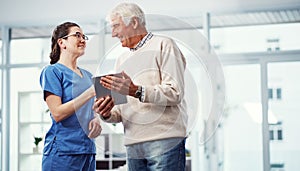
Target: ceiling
[37,18]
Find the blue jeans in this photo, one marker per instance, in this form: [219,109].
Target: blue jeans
[173,160]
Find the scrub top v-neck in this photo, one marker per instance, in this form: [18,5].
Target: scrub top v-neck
[70,135]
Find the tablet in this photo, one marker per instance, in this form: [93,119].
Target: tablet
[102,91]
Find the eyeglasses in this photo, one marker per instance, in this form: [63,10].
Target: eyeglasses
[78,35]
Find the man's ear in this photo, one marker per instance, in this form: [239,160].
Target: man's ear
[135,22]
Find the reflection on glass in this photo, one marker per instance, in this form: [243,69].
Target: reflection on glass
[283,78]
[241,127]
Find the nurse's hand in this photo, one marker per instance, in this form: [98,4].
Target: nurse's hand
[95,127]
[103,106]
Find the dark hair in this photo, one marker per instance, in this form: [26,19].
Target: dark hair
[59,32]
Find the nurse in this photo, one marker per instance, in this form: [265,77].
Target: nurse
[69,94]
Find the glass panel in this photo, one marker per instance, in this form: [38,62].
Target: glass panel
[30,50]
[92,67]
[0,49]
[25,89]
[242,128]
[256,38]
[1,118]
[1,100]
[284,148]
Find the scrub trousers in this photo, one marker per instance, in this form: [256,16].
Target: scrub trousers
[66,162]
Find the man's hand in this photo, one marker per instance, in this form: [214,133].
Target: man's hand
[122,85]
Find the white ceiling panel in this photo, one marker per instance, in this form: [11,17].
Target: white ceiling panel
[27,22]
[40,12]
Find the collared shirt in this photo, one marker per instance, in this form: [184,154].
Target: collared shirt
[142,42]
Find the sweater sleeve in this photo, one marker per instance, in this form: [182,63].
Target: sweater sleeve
[172,65]
[115,116]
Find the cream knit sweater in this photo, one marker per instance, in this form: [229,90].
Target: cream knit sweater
[159,67]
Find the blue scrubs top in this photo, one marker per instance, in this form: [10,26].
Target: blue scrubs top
[70,135]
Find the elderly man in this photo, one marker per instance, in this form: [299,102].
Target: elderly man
[155,117]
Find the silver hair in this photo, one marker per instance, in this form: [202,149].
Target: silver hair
[127,11]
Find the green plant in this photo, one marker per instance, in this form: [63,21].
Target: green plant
[37,140]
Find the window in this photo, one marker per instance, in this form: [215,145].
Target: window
[279,134]
[246,144]
[283,78]
[277,167]
[29,50]
[278,93]
[275,93]
[273,44]
[270,93]
[263,38]
[275,131]
[271,135]
[276,135]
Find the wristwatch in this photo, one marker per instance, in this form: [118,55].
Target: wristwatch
[138,92]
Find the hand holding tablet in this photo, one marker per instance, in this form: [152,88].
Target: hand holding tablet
[101,91]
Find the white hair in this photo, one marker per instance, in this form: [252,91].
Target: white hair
[127,11]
